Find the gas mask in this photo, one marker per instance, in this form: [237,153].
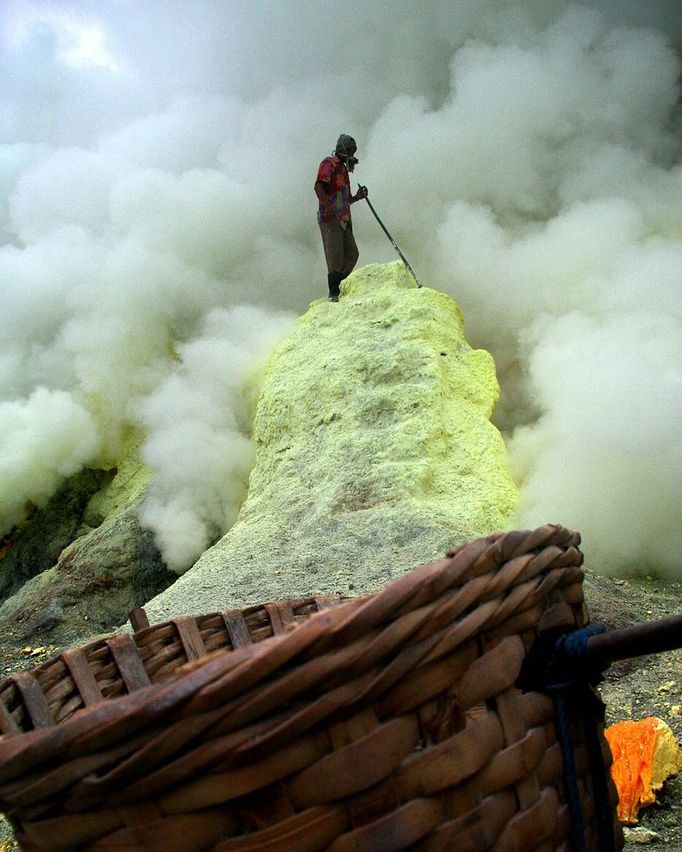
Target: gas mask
[349,160]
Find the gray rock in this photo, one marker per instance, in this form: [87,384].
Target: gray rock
[97,580]
[35,545]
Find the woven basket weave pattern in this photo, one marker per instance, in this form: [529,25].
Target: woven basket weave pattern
[117,665]
[390,722]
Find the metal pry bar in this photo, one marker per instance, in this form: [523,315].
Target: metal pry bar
[393,242]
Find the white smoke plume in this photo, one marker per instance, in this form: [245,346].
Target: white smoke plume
[198,420]
[158,232]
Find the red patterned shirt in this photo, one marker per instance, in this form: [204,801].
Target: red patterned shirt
[333,174]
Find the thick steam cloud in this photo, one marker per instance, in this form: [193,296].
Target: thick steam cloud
[198,421]
[158,230]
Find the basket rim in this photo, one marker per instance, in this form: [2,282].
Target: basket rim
[338,625]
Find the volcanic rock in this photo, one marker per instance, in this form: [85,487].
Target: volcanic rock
[95,575]
[35,545]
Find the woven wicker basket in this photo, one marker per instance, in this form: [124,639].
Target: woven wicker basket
[389,722]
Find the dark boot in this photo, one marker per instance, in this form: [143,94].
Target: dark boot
[334,281]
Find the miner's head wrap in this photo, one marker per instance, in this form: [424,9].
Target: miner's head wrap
[345,144]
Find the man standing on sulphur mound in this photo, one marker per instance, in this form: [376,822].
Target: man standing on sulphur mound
[332,188]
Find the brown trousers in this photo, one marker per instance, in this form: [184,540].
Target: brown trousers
[340,250]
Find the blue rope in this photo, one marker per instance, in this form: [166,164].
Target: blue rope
[574,646]
[563,667]
[562,724]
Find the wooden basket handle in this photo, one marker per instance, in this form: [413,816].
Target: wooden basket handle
[665,634]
